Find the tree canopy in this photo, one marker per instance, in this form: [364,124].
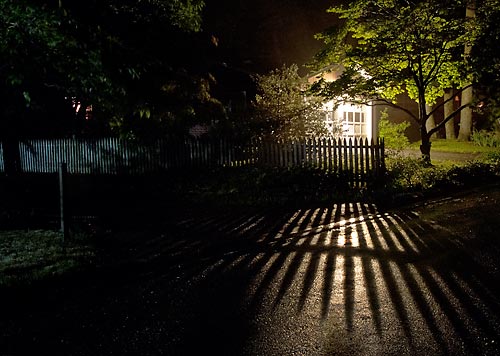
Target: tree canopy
[485,58]
[283,108]
[114,55]
[398,46]
[132,64]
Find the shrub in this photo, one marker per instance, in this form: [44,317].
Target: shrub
[261,186]
[486,138]
[494,159]
[471,173]
[410,174]
[394,134]
[283,107]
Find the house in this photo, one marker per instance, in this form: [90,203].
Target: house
[347,120]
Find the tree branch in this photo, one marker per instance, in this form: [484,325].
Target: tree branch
[436,107]
[446,119]
[386,102]
[436,66]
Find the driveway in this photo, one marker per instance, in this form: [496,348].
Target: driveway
[347,279]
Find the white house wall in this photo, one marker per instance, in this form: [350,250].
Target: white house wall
[354,120]
[334,117]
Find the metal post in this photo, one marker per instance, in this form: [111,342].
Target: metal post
[62,201]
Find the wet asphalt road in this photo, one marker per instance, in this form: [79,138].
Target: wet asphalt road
[347,279]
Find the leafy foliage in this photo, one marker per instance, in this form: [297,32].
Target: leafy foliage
[170,107]
[283,108]
[408,176]
[267,187]
[394,134]
[114,55]
[40,61]
[393,47]
[400,46]
[486,138]
[485,59]
[494,159]
[407,173]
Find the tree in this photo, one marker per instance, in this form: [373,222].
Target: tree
[39,62]
[448,110]
[88,50]
[398,46]
[61,55]
[465,130]
[183,101]
[485,59]
[283,108]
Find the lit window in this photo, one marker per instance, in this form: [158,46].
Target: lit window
[354,124]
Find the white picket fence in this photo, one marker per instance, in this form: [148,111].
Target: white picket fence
[358,158]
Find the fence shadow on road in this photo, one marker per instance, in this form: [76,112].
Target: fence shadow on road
[338,259]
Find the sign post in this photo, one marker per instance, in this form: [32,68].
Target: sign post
[62,200]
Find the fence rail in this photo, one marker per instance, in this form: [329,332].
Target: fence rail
[358,158]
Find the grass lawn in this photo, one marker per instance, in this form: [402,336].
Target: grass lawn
[443,145]
[30,256]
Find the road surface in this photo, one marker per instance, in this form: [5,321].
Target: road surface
[341,280]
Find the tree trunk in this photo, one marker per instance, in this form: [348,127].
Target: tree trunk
[448,110]
[465,131]
[431,122]
[465,117]
[425,147]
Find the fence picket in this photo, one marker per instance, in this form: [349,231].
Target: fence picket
[2,168]
[357,159]
[377,157]
[362,159]
[350,168]
[372,156]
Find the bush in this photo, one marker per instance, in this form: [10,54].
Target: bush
[471,173]
[493,158]
[252,186]
[410,175]
[394,136]
[257,187]
[486,138]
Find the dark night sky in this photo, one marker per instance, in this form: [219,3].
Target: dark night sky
[260,35]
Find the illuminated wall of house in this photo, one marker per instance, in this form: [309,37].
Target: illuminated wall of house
[349,120]
[346,120]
